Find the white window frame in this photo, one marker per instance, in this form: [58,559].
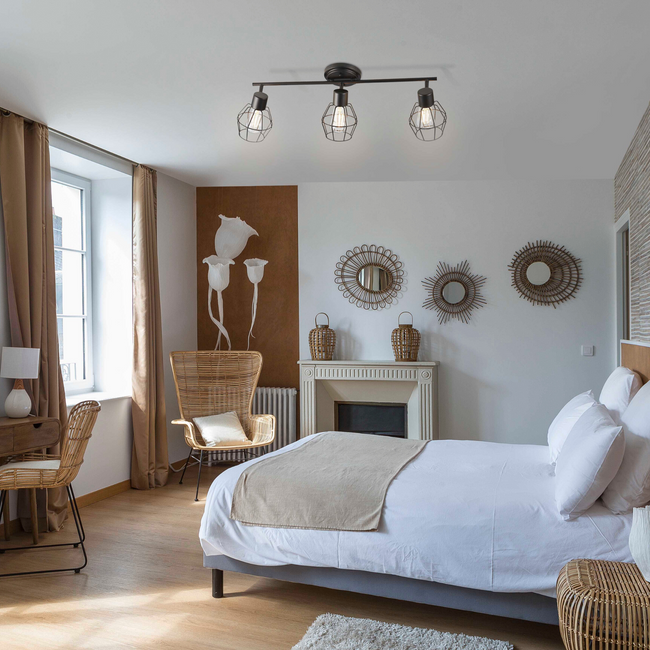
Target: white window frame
[623,284]
[84,184]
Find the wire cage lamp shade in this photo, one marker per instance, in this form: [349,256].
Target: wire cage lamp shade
[428,118]
[339,119]
[254,120]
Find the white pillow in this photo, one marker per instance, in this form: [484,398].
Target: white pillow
[631,486]
[222,429]
[619,389]
[565,419]
[589,460]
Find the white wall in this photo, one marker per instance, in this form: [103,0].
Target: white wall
[111,284]
[504,376]
[108,455]
[177,268]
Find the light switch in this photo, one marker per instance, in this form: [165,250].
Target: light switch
[587,350]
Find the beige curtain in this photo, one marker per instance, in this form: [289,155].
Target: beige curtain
[26,191]
[149,463]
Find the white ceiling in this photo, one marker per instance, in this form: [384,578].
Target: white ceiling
[533,89]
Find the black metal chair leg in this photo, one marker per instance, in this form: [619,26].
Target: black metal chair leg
[217,583]
[79,525]
[76,507]
[198,480]
[185,467]
[80,532]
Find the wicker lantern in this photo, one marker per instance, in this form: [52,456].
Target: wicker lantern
[405,340]
[322,340]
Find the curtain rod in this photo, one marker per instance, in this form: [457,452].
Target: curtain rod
[29,120]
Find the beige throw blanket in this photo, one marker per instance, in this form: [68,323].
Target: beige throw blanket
[335,481]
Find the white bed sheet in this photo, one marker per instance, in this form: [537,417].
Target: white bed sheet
[466,513]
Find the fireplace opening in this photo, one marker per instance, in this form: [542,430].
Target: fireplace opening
[371,417]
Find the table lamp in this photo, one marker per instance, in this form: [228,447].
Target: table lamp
[19,364]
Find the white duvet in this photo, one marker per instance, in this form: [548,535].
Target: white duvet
[466,513]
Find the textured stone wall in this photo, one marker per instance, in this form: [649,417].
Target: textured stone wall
[632,191]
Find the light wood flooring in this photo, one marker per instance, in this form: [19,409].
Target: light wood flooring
[145,587]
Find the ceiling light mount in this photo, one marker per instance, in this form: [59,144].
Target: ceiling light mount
[345,74]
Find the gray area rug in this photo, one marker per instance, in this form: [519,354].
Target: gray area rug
[334,632]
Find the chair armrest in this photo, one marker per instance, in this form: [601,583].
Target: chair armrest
[190,433]
[262,429]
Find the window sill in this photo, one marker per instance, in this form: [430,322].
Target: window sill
[100,396]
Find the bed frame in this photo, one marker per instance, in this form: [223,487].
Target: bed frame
[524,606]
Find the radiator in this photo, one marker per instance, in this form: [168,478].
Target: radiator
[280,402]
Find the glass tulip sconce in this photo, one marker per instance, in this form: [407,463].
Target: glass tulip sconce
[339,121]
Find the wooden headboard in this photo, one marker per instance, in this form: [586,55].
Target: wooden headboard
[636,356]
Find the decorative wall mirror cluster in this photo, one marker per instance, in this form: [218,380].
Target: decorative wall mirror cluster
[370,277]
[454,292]
[545,273]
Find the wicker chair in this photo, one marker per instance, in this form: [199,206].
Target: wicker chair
[39,470]
[211,382]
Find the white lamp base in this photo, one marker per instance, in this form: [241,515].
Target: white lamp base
[18,403]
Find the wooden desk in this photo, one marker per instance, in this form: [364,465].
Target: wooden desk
[22,435]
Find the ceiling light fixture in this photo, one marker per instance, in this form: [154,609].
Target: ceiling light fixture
[339,119]
[254,120]
[427,119]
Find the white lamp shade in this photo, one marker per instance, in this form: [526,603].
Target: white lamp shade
[20,363]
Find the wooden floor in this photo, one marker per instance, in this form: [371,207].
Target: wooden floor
[145,587]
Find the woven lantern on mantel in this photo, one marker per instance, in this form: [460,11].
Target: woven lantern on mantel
[406,340]
[322,340]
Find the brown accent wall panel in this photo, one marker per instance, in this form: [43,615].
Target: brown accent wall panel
[273,212]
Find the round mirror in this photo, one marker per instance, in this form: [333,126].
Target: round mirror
[538,273]
[453,292]
[374,278]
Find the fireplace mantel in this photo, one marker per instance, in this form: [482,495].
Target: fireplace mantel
[413,383]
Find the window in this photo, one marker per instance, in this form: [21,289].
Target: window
[623,322]
[625,281]
[71,217]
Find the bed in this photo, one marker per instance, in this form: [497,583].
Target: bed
[468,525]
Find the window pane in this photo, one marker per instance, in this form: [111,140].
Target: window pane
[68,224]
[69,267]
[72,343]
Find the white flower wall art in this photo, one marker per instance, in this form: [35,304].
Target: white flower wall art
[218,280]
[255,270]
[232,237]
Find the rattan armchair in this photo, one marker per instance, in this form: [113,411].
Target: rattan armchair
[213,382]
[40,470]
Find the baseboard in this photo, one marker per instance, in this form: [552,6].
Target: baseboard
[178,464]
[90,498]
[104,493]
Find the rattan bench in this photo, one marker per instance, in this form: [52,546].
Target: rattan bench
[604,605]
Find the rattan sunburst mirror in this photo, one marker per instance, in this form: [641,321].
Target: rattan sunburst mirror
[370,277]
[454,292]
[545,273]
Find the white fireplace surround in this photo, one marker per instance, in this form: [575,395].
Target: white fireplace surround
[325,383]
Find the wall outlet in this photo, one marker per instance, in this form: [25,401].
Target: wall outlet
[587,350]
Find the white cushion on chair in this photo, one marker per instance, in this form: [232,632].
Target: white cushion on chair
[30,464]
[224,429]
